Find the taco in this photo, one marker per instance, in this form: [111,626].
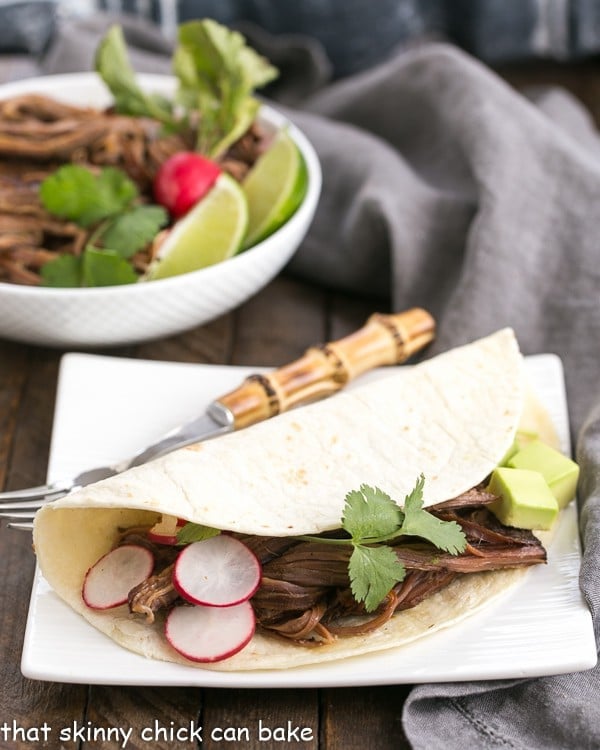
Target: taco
[450,420]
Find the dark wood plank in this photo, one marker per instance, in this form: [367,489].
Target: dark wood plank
[279,324]
[358,718]
[30,378]
[13,371]
[265,719]
[208,344]
[32,434]
[161,718]
[347,314]
[582,79]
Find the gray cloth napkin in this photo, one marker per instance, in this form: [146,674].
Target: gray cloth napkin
[445,188]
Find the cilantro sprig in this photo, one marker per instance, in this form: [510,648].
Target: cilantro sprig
[371,518]
[106,204]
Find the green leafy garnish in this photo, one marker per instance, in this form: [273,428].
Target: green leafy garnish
[369,512]
[94,267]
[217,74]
[195,532]
[105,268]
[105,203]
[134,229]
[64,271]
[373,573]
[75,193]
[371,518]
[446,535]
[112,63]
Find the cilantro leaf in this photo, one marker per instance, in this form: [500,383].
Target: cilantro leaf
[75,193]
[195,532]
[112,63]
[93,267]
[105,268]
[134,229]
[64,271]
[446,535]
[373,573]
[370,512]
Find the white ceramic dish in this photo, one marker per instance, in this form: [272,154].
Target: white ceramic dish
[541,627]
[138,312]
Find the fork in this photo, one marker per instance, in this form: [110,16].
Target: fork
[320,372]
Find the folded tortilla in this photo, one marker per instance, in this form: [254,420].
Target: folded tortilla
[451,418]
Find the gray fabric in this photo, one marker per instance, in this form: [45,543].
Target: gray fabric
[445,188]
[360,33]
[26,26]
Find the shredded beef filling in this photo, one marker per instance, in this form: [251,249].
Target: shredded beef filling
[305,594]
[39,134]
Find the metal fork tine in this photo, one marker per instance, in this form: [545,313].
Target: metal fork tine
[33,493]
[20,526]
[26,504]
[27,515]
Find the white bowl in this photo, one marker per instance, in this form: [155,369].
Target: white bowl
[130,313]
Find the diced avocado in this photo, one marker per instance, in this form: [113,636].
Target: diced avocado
[524,437]
[524,499]
[561,474]
[514,448]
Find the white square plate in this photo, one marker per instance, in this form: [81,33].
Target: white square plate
[108,408]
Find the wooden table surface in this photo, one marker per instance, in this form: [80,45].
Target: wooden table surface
[274,327]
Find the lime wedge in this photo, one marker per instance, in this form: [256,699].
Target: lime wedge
[211,232]
[274,188]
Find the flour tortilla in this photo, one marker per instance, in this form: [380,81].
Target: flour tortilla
[451,418]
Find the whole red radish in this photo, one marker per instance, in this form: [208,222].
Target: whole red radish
[182,180]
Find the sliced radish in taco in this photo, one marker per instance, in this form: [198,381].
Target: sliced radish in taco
[216,572]
[209,634]
[108,582]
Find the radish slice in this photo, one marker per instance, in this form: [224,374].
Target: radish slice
[165,530]
[218,572]
[207,634]
[108,583]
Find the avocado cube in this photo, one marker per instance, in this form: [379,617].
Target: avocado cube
[514,448]
[561,474]
[524,499]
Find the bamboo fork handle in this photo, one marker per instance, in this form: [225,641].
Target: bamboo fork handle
[323,370]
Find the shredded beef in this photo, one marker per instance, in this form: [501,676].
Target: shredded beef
[153,594]
[39,134]
[305,593]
